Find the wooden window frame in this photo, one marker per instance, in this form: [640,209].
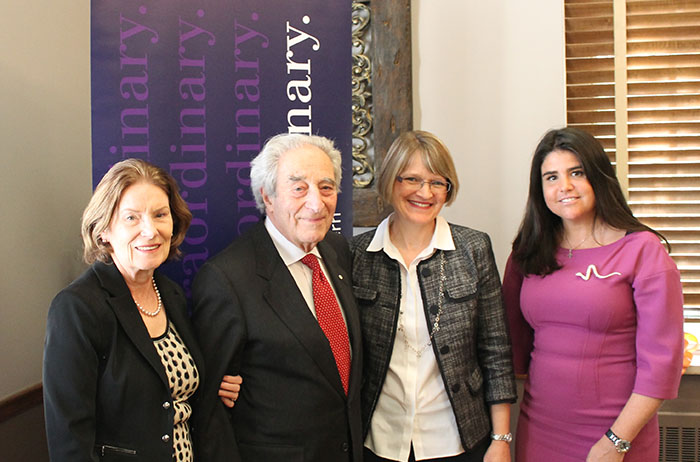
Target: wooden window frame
[632,82]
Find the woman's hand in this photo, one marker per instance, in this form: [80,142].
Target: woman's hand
[636,413]
[229,389]
[604,451]
[498,451]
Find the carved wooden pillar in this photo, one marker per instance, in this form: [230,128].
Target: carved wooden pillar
[382,95]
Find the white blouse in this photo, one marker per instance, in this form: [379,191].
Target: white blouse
[413,406]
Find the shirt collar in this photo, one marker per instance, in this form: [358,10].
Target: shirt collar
[289,252]
[442,237]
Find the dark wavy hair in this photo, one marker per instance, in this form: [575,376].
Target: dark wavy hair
[537,241]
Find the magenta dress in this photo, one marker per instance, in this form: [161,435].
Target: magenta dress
[608,323]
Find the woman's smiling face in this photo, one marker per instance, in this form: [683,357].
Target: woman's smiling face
[423,205]
[565,188]
[140,230]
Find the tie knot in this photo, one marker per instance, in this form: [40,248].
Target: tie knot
[311,261]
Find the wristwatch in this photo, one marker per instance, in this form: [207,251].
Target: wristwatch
[508,437]
[621,446]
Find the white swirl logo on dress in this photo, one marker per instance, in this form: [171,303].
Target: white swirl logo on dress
[594,270]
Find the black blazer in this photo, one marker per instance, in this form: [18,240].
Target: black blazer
[106,395]
[251,319]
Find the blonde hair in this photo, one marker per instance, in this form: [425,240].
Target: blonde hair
[434,154]
[105,200]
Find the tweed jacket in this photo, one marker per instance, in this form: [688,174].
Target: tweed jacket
[472,345]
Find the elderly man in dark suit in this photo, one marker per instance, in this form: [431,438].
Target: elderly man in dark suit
[265,310]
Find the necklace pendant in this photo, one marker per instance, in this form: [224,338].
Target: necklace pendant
[571,248]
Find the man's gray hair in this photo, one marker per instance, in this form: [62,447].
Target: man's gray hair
[263,169]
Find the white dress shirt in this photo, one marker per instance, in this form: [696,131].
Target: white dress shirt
[302,274]
[413,406]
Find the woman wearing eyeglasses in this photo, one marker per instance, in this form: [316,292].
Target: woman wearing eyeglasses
[438,378]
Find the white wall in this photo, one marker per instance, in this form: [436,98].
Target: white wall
[488,79]
[45,174]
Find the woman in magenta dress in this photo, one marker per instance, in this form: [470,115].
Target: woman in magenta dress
[595,307]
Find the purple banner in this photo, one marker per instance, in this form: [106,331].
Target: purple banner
[198,86]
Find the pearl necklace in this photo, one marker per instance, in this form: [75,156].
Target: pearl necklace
[436,324]
[160,302]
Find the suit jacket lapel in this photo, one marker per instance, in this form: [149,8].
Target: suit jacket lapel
[126,312]
[176,307]
[286,300]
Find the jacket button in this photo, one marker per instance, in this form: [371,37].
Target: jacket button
[455,388]
[434,310]
[445,349]
[426,272]
[166,405]
[165,438]
[345,447]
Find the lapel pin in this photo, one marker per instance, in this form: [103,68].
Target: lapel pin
[340,276]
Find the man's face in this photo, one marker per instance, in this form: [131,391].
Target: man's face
[302,208]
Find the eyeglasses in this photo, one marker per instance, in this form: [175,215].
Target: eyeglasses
[417,183]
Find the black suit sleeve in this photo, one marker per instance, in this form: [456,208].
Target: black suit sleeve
[70,374]
[220,330]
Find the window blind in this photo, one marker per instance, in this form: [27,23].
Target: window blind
[633,81]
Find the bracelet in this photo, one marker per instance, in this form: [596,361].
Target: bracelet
[508,437]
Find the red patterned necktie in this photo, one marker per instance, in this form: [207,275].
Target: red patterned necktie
[330,319]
